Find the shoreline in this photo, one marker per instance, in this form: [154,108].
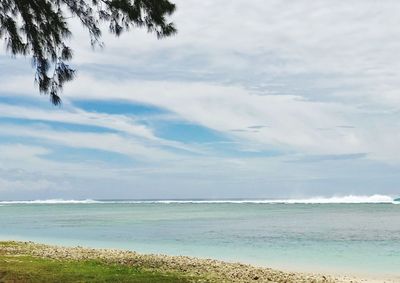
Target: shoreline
[212,270]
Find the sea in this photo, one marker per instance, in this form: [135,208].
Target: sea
[349,235]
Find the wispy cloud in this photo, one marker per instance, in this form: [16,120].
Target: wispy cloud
[331,157]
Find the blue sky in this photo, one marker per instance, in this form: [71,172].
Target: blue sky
[251,99]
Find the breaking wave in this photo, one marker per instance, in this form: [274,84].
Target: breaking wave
[50,201]
[313,200]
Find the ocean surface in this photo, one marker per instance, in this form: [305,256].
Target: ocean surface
[353,235]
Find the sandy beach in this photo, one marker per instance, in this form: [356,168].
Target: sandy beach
[210,270]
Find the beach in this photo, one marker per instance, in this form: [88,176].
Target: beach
[190,268]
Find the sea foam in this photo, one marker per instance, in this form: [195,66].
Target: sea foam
[50,201]
[355,199]
[314,200]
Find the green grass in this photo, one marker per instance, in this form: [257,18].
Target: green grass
[24,268]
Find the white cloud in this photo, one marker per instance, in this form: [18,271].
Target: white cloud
[100,141]
[300,69]
[71,115]
[293,122]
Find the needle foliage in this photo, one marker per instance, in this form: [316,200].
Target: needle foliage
[40,28]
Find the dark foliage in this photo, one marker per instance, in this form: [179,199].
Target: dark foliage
[40,28]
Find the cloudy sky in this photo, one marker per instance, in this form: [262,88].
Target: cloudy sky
[251,99]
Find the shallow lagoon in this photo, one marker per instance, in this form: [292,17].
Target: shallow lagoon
[351,238]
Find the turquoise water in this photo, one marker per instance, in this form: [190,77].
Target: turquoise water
[351,238]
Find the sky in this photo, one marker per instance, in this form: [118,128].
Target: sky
[251,99]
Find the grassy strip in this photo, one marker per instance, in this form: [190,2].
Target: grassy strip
[23,268]
[30,262]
